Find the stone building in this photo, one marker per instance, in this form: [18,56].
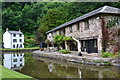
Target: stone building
[96,31]
[13,39]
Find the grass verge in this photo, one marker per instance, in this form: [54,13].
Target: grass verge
[7,73]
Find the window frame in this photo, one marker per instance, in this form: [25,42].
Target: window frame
[20,45]
[86,25]
[14,40]
[20,35]
[70,28]
[14,35]
[14,60]
[20,40]
[13,45]
[78,26]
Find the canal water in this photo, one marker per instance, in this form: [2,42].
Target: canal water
[36,67]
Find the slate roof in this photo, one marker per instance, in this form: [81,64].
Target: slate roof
[104,9]
[15,32]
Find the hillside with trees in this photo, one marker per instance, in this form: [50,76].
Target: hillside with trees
[36,18]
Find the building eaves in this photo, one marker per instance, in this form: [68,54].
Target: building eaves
[15,32]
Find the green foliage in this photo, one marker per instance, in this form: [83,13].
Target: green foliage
[64,51]
[107,54]
[47,41]
[117,54]
[106,62]
[59,39]
[37,18]
[67,38]
[112,23]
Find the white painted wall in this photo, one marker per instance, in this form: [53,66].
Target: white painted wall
[7,61]
[50,37]
[7,39]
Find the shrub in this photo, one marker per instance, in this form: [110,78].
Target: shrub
[64,51]
[107,54]
[117,54]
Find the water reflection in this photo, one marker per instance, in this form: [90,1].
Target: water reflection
[49,68]
[14,61]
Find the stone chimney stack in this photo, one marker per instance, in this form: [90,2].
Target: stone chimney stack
[7,29]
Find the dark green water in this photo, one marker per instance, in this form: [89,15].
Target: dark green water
[47,68]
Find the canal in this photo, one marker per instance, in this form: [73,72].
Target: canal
[36,67]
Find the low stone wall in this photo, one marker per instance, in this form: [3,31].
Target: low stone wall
[19,50]
[98,61]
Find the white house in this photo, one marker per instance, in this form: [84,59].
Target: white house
[13,39]
[14,61]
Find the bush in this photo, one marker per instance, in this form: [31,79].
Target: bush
[107,54]
[117,54]
[64,51]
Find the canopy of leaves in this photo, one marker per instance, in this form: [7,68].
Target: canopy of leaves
[59,39]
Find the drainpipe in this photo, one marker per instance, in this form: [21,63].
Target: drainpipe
[79,44]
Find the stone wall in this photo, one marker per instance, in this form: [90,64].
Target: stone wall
[98,61]
[94,29]
[112,40]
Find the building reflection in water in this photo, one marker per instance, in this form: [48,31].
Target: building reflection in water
[14,61]
[50,67]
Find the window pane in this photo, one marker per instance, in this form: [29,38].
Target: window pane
[14,35]
[86,24]
[14,40]
[20,35]
[13,45]
[14,60]
[20,40]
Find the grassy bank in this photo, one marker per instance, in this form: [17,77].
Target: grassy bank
[6,73]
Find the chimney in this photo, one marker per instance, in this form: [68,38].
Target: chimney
[6,29]
[19,30]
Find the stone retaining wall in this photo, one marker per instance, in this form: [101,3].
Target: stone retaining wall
[20,50]
[98,61]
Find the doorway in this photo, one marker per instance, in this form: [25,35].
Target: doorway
[89,46]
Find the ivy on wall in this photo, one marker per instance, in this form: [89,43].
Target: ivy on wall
[112,22]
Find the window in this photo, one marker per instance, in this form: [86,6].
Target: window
[17,45]
[78,26]
[20,45]
[118,21]
[70,28]
[14,35]
[20,35]
[20,54]
[63,31]
[14,40]
[15,65]
[13,45]
[59,32]
[86,23]
[95,43]
[20,65]
[20,40]
[20,59]
[17,54]
[14,60]
[13,55]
